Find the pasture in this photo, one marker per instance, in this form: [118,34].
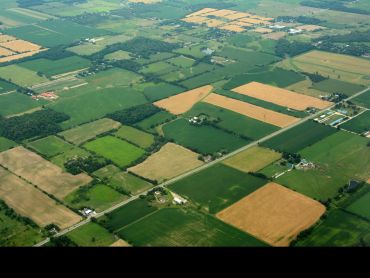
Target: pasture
[273,214]
[41,172]
[83,133]
[217,187]
[6,87]
[177,227]
[120,152]
[91,235]
[251,111]
[50,146]
[24,104]
[335,86]
[202,139]
[21,76]
[252,159]
[170,161]
[6,144]
[361,206]
[181,103]
[299,137]
[360,124]
[155,120]
[98,197]
[363,100]
[158,91]
[28,201]
[232,121]
[142,139]
[336,66]
[120,180]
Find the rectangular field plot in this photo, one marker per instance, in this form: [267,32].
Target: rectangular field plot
[176,227]
[98,196]
[89,131]
[217,187]
[50,146]
[181,103]
[15,103]
[334,86]
[252,159]
[41,172]
[361,206]
[91,235]
[67,155]
[281,97]
[360,124]
[158,91]
[339,229]
[338,158]
[155,120]
[231,121]
[252,111]
[6,87]
[122,181]
[6,144]
[56,67]
[202,139]
[350,69]
[170,161]
[299,137]
[135,136]
[363,100]
[273,214]
[116,150]
[21,76]
[126,215]
[28,201]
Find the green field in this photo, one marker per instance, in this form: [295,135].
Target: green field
[92,235]
[155,120]
[232,121]
[120,152]
[337,86]
[177,227]
[339,229]
[203,139]
[6,87]
[90,104]
[24,103]
[50,146]
[135,136]
[299,137]
[68,155]
[15,233]
[363,100]
[157,91]
[21,76]
[55,67]
[338,158]
[158,68]
[89,131]
[181,61]
[361,206]
[120,180]
[126,215]
[98,197]
[217,187]
[360,124]
[6,144]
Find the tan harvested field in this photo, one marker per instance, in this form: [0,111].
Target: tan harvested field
[28,201]
[20,46]
[221,13]
[241,23]
[344,67]
[120,243]
[254,21]
[263,30]
[20,56]
[261,18]
[5,52]
[170,161]
[181,103]
[233,28]
[310,27]
[201,12]
[6,38]
[275,35]
[89,131]
[195,19]
[280,96]
[236,16]
[274,214]
[213,22]
[252,159]
[252,111]
[38,171]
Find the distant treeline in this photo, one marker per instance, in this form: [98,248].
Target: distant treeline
[291,48]
[336,5]
[30,3]
[299,19]
[39,123]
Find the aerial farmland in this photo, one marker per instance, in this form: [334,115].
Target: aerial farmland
[161,123]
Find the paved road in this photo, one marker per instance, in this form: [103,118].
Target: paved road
[204,166]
